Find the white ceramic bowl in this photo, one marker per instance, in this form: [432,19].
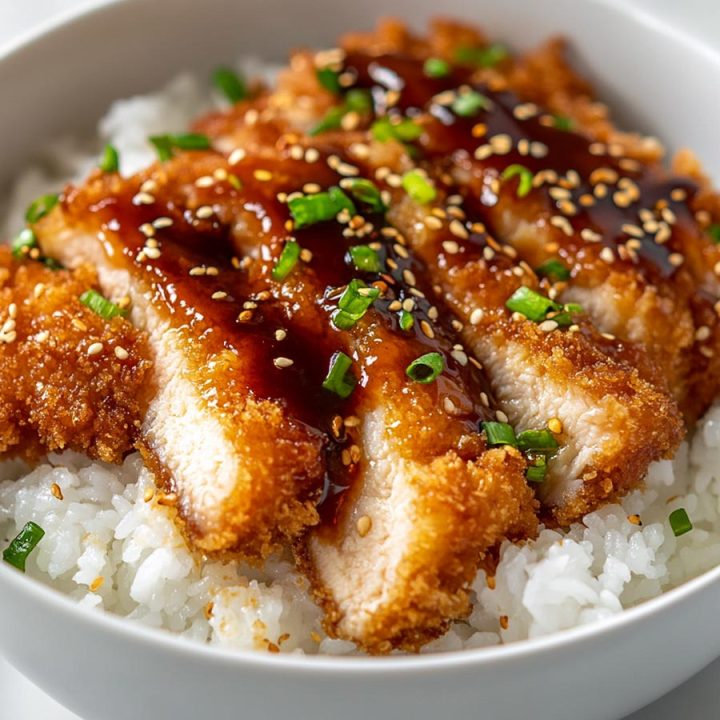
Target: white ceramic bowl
[61,80]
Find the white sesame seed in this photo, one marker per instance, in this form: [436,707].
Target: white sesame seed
[42,336]
[219,295]
[236,156]
[282,362]
[152,252]
[95,348]
[476,316]
[205,181]
[548,326]
[162,222]
[204,212]
[607,255]
[280,334]
[121,353]
[501,416]
[702,333]
[143,198]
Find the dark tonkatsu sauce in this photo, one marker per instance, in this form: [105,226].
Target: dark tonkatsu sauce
[211,269]
[451,142]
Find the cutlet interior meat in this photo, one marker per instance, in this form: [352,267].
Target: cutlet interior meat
[68,378]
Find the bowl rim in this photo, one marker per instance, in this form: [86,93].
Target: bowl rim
[167,641]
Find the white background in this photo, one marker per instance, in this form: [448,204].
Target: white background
[698,699]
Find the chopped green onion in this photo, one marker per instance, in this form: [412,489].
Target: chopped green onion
[310,209]
[356,100]
[365,258]
[419,187]
[426,368]
[403,130]
[20,548]
[230,84]
[537,469]
[339,380]
[537,441]
[353,304]
[565,318]
[331,121]
[359,101]
[23,243]
[554,270]
[41,207]
[680,522]
[286,262]
[101,306]
[499,433]
[51,263]
[562,122]
[365,191]
[485,57]
[714,232]
[165,144]
[436,68]
[532,305]
[470,103]
[406,320]
[329,79]
[526,178]
[109,160]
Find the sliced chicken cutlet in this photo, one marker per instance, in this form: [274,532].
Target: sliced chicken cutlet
[623,232]
[613,422]
[69,378]
[221,429]
[415,498]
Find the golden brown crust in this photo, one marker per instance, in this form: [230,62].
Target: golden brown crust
[54,394]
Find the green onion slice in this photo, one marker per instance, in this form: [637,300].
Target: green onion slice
[499,433]
[426,368]
[166,144]
[51,263]
[401,129]
[353,304]
[532,305]
[537,441]
[406,320]
[537,469]
[365,191]
[680,522]
[526,178]
[436,68]
[230,84]
[563,122]
[365,258]
[359,101]
[484,57]
[329,79]
[20,548]
[418,186]
[287,261]
[23,243]
[470,103]
[41,207]
[109,160]
[356,100]
[554,270]
[101,306]
[331,121]
[310,209]
[714,232]
[339,379]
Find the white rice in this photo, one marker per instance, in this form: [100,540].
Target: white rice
[108,548]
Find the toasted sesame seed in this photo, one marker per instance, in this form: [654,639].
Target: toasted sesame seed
[483,152]
[607,255]
[702,333]
[476,316]
[167,499]
[42,336]
[525,111]
[121,353]
[458,229]
[427,329]
[262,175]
[205,181]
[56,491]
[555,426]
[197,270]
[538,149]
[548,326]
[504,622]
[162,222]
[282,362]
[204,212]
[95,349]
[408,304]
[501,416]
[236,156]
[679,194]
[149,494]
[364,525]
[149,186]
[676,259]
[96,584]
[562,223]
[245,316]
[633,230]
[219,295]
[143,198]
[211,270]
[147,229]
[460,357]
[634,519]
[590,235]
[409,277]
[433,313]
[152,252]
[312,155]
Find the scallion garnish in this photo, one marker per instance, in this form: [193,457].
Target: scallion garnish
[41,207]
[562,122]
[436,68]
[331,121]
[51,263]
[16,554]
[537,469]
[109,160]
[166,144]
[310,209]
[101,306]
[230,84]
[366,192]
[426,368]
[356,100]
[359,101]
[526,178]
[485,57]
[406,320]
[680,522]
[419,187]
[536,307]
[554,270]
[470,103]
[286,262]
[365,258]
[714,232]
[339,378]
[329,79]
[23,243]
[401,129]
[499,433]
[537,441]
[353,304]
